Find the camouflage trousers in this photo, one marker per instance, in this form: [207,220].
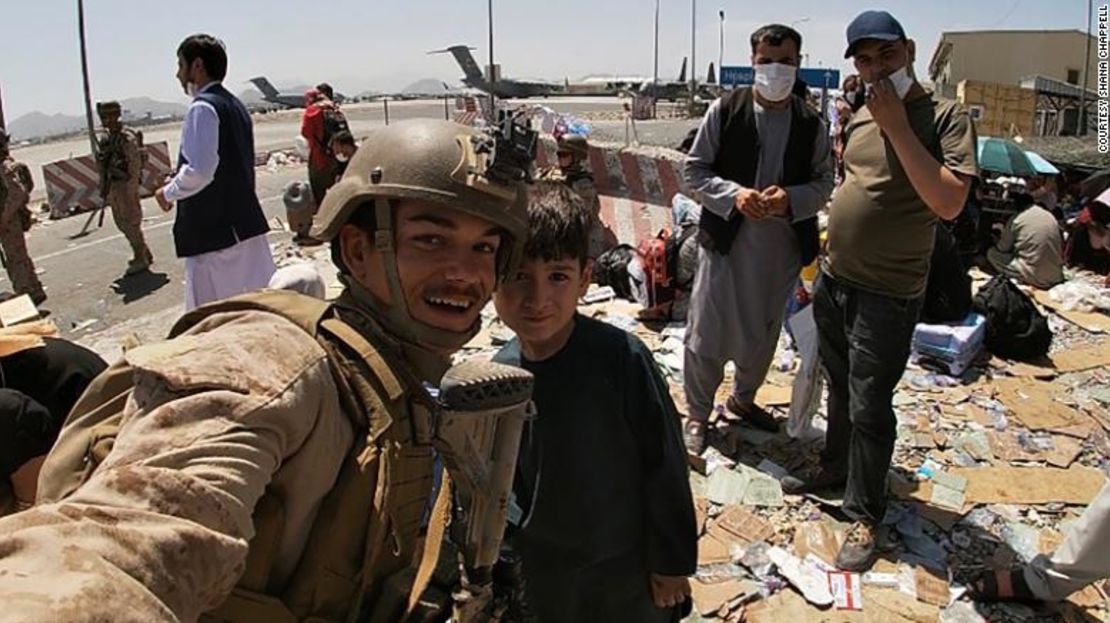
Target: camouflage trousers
[127,212]
[16,259]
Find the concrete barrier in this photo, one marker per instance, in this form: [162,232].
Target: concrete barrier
[634,188]
[73,185]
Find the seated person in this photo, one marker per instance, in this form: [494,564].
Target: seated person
[54,375]
[27,432]
[948,290]
[1088,246]
[1030,248]
[608,530]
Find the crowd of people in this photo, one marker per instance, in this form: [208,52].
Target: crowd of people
[276,457]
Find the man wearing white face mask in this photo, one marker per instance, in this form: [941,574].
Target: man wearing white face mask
[760,165]
[219,227]
[909,159]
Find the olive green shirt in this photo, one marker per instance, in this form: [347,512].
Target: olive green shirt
[880,230]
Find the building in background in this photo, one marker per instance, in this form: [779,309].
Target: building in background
[1019,82]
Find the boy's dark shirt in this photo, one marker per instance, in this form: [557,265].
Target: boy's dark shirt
[607,450]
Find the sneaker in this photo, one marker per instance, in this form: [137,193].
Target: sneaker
[693,435]
[860,548]
[753,415]
[818,481]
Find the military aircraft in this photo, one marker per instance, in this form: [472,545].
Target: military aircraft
[502,87]
[680,88]
[288,99]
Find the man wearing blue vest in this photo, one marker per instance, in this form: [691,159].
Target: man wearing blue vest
[220,229]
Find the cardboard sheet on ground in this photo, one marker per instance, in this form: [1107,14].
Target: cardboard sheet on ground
[1036,405]
[708,598]
[1091,321]
[773,395]
[1021,485]
[744,524]
[880,605]
[712,550]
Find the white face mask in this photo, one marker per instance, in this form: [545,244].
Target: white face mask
[773,81]
[191,89]
[902,82]
[342,157]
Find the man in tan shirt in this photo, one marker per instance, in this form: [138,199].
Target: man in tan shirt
[1030,248]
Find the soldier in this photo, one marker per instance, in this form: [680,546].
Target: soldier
[254,455]
[573,152]
[15,220]
[120,159]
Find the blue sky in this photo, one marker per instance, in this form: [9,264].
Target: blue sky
[381,44]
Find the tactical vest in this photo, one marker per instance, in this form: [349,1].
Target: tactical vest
[367,527]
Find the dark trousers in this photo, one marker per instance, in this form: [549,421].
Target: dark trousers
[614,591]
[864,341]
[320,180]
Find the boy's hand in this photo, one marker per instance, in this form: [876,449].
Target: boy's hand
[668,591]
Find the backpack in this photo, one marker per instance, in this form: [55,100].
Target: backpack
[666,280]
[1015,328]
[334,123]
[611,269]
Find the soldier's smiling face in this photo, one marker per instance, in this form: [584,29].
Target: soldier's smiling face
[446,263]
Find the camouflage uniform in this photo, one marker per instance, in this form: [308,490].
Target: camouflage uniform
[243,408]
[15,220]
[120,159]
[578,177]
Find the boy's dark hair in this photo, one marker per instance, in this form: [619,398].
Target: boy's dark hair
[344,137]
[326,89]
[775,34]
[209,50]
[558,223]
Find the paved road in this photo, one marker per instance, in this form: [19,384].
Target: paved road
[83,275]
[278,130]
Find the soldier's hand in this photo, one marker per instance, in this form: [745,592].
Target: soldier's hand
[777,200]
[668,591]
[749,202]
[160,197]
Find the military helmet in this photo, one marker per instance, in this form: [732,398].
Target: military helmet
[430,160]
[573,144]
[108,108]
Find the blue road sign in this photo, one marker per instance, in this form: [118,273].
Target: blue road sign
[815,77]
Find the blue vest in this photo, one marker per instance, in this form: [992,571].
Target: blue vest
[225,211]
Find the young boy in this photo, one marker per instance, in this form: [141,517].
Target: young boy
[609,532]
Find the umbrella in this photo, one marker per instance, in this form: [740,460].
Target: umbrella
[1003,156]
[1093,185]
[1041,165]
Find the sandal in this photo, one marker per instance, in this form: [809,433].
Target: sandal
[1005,585]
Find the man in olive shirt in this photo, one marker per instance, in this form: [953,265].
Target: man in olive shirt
[909,160]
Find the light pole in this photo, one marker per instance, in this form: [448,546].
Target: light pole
[1086,71]
[655,72]
[85,73]
[693,52]
[721,48]
[492,73]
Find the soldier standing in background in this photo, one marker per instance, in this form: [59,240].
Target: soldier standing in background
[573,151]
[15,219]
[120,160]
